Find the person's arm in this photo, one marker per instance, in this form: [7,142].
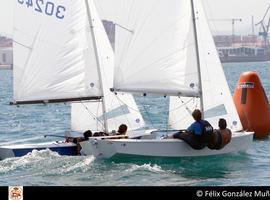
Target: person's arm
[194,129]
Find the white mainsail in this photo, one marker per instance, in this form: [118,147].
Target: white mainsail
[217,99]
[156,53]
[53,52]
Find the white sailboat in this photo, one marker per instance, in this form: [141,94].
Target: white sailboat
[166,48]
[62,54]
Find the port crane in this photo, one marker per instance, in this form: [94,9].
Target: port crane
[265,28]
[233,21]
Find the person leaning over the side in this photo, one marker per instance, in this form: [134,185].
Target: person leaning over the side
[198,134]
[221,137]
[85,137]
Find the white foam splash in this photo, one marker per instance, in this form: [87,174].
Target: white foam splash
[35,156]
[155,168]
[80,165]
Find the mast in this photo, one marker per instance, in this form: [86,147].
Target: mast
[98,64]
[197,56]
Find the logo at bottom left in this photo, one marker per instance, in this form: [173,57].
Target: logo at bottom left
[15,193]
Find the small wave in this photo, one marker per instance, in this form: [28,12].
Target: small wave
[81,165]
[42,154]
[155,168]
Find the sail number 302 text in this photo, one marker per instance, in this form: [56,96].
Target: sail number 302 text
[49,8]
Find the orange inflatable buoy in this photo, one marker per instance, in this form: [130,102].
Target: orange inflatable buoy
[252,104]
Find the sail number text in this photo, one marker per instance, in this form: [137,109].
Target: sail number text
[41,6]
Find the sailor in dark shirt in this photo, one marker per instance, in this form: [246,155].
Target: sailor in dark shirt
[198,134]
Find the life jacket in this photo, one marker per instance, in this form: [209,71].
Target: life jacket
[207,132]
[221,138]
[198,142]
[226,135]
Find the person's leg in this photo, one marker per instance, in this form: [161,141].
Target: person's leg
[79,146]
[191,140]
[177,135]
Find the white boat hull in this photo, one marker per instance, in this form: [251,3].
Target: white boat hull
[107,148]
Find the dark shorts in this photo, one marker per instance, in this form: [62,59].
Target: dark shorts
[190,139]
[177,135]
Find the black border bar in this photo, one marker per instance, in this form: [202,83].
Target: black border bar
[92,192]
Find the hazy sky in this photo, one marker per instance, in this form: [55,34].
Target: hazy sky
[215,9]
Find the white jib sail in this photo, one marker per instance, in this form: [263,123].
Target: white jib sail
[155,48]
[53,51]
[123,110]
[90,115]
[217,99]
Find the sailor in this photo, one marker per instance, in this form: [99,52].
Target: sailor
[85,137]
[101,133]
[220,137]
[122,130]
[198,134]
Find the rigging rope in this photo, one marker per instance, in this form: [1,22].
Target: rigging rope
[146,112]
[186,107]
[123,111]
[94,116]
[127,104]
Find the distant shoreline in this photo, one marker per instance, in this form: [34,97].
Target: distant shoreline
[5,67]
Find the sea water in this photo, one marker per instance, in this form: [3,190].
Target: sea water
[29,123]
